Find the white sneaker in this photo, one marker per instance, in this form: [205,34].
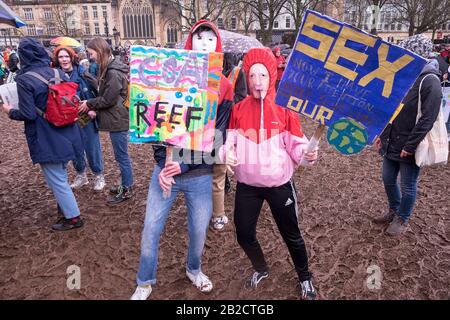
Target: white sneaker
[79,181]
[99,182]
[219,222]
[142,293]
[201,281]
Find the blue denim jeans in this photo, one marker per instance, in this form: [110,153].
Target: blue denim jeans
[119,142]
[56,177]
[91,142]
[401,200]
[198,195]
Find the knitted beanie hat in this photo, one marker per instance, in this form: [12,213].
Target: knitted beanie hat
[419,44]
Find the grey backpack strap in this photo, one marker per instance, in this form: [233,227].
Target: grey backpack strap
[38,76]
[41,78]
[40,112]
[57,78]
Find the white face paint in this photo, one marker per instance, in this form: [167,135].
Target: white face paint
[259,80]
[205,41]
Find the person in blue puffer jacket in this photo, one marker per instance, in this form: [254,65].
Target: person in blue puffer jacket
[50,146]
[65,59]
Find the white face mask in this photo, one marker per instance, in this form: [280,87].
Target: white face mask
[205,41]
[259,80]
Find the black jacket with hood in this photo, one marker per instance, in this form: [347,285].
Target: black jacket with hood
[404,133]
[112,115]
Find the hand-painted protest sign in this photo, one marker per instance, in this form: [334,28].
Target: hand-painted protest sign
[174,96]
[346,79]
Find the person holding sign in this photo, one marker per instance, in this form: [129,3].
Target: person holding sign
[399,140]
[50,146]
[264,144]
[193,178]
[111,112]
[65,59]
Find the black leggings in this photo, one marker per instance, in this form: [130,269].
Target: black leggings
[283,204]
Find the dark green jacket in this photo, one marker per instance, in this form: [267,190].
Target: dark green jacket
[112,115]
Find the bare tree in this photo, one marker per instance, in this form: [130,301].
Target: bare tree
[266,11]
[193,10]
[243,14]
[63,18]
[246,16]
[422,15]
[297,8]
[354,11]
[361,6]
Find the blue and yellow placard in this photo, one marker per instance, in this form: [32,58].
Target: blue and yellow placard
[347,79]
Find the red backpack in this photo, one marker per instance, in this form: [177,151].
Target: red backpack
[62,102]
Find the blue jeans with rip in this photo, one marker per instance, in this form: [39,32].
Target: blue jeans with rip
[93,149]
[198,196]
[119,142]
[401,198]
[56,176]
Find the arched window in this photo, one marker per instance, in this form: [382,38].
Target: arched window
[137,18]
[172,33]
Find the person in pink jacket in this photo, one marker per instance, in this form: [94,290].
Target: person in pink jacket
[265,144]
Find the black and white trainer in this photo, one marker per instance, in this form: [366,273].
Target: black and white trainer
[255,279]
[307,290]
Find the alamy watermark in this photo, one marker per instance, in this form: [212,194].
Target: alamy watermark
[74,277]
[252,147]
[373,281]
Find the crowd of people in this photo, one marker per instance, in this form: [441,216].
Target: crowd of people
[246,101]
[9,64]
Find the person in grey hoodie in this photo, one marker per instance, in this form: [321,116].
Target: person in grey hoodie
[398,142]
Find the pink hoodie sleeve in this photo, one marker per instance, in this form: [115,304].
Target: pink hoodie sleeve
[294,139]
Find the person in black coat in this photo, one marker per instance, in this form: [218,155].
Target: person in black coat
[230,63]
[399,140]
[50,146]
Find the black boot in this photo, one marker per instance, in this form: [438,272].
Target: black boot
[68,224]
[61,216]
[114,190]
[124,193]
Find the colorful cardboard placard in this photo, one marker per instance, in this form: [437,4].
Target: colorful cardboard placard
[174,96]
